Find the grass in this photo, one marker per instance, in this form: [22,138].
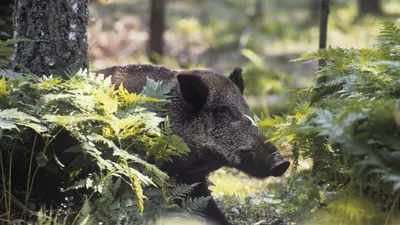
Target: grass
[238,184]
[233,182]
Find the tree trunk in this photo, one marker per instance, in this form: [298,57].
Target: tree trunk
[323,37]
[6,19]
[61,27]
[323,34]
[373,7]
[157,27]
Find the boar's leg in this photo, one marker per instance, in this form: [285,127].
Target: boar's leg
[212,212]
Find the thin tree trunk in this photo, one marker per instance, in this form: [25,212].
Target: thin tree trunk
[6,19]
[373,7]
[323,36]
[323,33]
[62,27]
[157,27]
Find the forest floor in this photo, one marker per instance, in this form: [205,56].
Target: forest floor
[199,34]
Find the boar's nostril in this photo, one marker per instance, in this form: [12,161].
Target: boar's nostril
[280,168]
[278,165]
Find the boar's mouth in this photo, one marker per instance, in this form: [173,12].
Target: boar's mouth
[278,165]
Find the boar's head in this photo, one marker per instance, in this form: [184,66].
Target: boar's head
[209,112]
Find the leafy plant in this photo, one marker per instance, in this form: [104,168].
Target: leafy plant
[349,124]
[115,134]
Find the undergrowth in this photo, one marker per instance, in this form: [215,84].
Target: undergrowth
[101,146]
[349,126]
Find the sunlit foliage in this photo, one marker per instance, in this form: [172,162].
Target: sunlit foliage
[351,126]
[117,133]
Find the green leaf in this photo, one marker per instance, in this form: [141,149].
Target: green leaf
[156,89]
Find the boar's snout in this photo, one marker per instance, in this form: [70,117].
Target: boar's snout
[278,164]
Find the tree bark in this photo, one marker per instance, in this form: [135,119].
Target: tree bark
[61,27]
[323,34]
[373,7]
[6,19]
[157,27]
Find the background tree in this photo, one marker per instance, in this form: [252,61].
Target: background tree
[373,7]
[6,20]
[61,27]
[156,32]
[323,39]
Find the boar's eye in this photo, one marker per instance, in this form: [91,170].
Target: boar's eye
[223,114]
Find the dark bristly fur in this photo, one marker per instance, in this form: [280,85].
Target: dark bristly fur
[209,112]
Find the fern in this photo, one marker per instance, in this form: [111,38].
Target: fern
[349,123]
[116,132]
[11,74]
[10,118]
[390,33]
[195,205]
[156,89]
[119,205]
[179,191]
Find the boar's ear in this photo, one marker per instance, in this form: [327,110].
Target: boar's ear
[193,90]
[236,78]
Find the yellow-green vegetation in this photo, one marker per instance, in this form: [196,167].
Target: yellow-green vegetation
[227,183]
[83,134]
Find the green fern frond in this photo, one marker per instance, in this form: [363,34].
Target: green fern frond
[82,103]
[179,191]
[195,205]
[166,146]
[156,89]
[16,115]
[83,183]
[11,74]
[390,32]
[10,118]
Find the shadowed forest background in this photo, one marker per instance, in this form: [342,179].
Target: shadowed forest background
[261,36]
[343,123]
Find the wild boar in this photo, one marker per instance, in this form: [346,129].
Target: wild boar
[209,112]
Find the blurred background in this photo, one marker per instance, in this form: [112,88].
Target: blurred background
[261,36]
